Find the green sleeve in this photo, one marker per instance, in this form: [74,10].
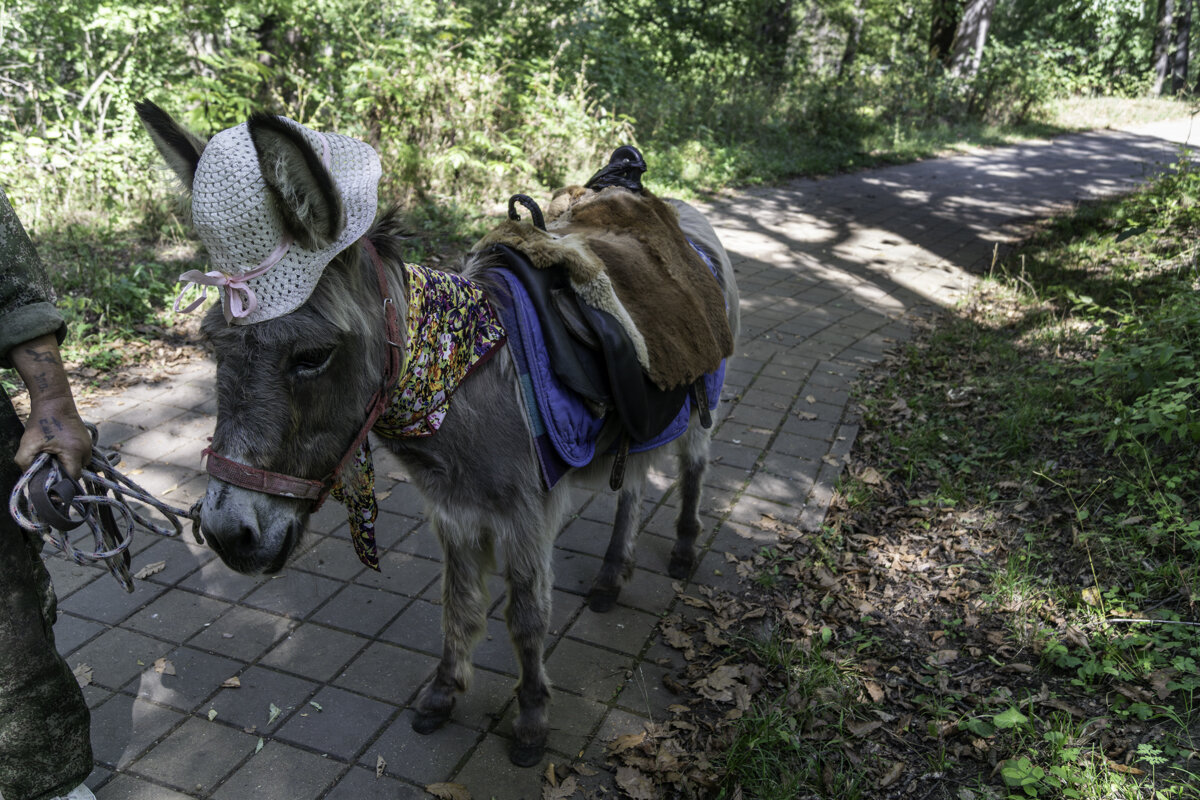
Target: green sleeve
[26,301]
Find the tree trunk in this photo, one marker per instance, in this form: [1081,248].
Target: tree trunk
[1183,35]
[970,38]
[1162,45]
[774,35]
[942,26]
[851,51]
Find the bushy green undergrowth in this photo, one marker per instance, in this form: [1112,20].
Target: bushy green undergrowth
[1071,382]
[472,101]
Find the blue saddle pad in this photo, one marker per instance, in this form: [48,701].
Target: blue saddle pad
[565,431]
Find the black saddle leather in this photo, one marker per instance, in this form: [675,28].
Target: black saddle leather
[591,353]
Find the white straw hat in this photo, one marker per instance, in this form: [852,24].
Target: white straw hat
[261,272]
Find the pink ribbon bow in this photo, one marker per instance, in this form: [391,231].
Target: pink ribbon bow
[238,298]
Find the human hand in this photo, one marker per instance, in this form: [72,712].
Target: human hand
[54,427]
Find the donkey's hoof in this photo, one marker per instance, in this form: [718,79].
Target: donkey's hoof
[601,601]
[526,755]
[426,722]
[681,567]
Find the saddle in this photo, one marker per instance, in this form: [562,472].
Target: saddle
[631,313]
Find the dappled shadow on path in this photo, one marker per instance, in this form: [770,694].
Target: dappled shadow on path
[898,228]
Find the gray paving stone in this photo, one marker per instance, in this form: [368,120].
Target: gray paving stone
[71,632]
[105,601]
[387,672]
[66,576]
[419,627]
[177,616]
[495,651]
[129,787]
[114,656]
[124,726]
[360,609]
[362,784]
[181,557]
[489,773]
[196,756]
[314,652]
[585,536]
[292,593]
[402,573]
[588,671]
[217,580]
[482,706]
[329,557]
[645,694]
[249,705]
[626,631]
[421,541]
[243,633]
[197,676]
[280,771]
[343,726]
[421,759]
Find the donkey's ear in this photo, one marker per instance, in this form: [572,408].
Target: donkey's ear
[308,200]
[180,147]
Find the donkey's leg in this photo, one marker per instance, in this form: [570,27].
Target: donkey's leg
[467,559]
[618,560]
[693,461]
[529,548]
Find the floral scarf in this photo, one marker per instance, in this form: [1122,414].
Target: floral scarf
[451,330]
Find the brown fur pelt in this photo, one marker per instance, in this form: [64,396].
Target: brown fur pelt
[626,255]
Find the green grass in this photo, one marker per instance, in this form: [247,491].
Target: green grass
[792,744]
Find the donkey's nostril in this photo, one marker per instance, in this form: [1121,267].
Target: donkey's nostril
[242,541]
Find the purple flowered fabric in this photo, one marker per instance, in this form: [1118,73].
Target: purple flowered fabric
[451,330]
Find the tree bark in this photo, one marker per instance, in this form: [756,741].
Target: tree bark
[852,39]
[971,36]
[1183,35]
[1162,45]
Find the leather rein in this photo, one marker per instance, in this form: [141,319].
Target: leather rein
[281,485]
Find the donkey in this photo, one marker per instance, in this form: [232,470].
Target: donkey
[290,394]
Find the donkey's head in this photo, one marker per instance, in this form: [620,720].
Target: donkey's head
[298,336]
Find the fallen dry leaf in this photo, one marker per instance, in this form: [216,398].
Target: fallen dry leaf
[892,775]
[861,729]
[625,742]
[448,791]
[150,569]
[871,477]
[232,683]
[635,784]
[380,766]
[1128,770]
[563,791]
[83,674]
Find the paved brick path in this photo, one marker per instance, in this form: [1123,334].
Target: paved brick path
[831,272]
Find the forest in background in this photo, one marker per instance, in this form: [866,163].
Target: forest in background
[470,101]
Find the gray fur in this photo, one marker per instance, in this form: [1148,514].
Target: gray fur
[479,475]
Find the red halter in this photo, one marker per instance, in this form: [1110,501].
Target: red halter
[276,483]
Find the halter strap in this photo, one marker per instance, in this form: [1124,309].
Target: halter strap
[279,484]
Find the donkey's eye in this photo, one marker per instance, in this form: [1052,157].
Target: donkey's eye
[311,363]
